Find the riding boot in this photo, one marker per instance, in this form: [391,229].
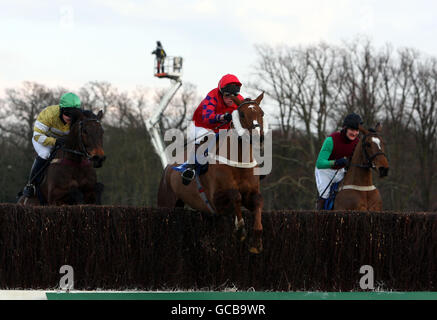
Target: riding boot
[190,171]
[189,174]
[320,204]
[34,177]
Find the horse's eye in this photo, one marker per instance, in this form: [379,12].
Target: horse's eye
[367,144]
[241,115]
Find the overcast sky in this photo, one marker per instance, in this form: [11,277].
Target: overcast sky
[69,43]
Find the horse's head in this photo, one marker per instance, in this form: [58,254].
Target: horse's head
[87,130]
[373,150]
[249,116]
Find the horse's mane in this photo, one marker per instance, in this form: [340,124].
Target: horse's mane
[89,114]
[80,114]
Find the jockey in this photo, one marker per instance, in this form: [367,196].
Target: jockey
[334,155]
[212,115]
[51,127]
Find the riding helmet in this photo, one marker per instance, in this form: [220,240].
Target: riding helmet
[69,100]
[352,121]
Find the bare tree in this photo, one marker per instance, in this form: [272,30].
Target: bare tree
[181,107]
[425,126]
[21,107]
[396,94]
[98,95]
[361,71]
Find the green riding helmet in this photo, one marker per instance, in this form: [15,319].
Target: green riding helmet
[69,100]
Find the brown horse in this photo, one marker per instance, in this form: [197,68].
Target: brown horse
[70,178]
[356,191]
[228,185]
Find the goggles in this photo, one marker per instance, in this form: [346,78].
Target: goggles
[68,111]
[231,90]
[230,94]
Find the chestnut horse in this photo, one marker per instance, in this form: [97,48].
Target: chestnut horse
[70,177]
[356,191]
[227,185]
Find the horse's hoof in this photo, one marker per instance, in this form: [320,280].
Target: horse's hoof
[256,244]
[255,250]
[240,234]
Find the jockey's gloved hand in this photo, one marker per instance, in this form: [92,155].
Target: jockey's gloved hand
[59,142]
[227,117]
[340,163]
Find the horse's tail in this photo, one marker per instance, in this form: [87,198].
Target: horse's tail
[166,196]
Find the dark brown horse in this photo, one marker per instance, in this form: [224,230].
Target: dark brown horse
[357,191]
[70,178]
[228,184]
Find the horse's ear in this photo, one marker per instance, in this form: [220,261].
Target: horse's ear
[260,97]
[362,129]
[100,115]
[236,100]
[378,127]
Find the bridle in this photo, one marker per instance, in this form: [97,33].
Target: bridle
[82,149]
[369,159]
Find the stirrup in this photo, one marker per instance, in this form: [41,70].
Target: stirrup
[29,190]
[188,175]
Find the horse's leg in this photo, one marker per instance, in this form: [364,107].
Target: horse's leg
[98,192]
[229,202]
[92,194]
[58,194]
[76,196]
[240,231]
[349,200]
[374,202]
[166,196]
[254,202]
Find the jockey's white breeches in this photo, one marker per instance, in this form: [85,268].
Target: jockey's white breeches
[323,178]
[42,151]
[197,135]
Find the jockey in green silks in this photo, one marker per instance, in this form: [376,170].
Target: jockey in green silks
[333,156]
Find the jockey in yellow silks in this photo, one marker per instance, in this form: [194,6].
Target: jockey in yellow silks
[51,127]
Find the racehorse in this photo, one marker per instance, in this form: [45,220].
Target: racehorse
[227,185]
[357,192]
[70,177]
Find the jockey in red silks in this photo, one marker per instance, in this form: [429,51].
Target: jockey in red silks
[213,114]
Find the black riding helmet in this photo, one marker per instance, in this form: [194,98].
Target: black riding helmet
[352,121]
